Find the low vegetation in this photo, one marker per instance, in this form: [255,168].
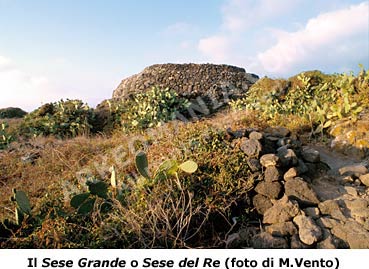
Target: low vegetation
[127,174]
[11,113]
[312,96]
[63,119]
[143,110]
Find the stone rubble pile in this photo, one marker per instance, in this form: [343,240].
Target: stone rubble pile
[213,83]
[299,206]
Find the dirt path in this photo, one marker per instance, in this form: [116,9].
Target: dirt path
[344,200]
[336,160]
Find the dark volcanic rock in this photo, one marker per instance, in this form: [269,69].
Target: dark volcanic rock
[269,189]
[272,174]
[332,208]
[310,155]
[309,232]
[269,160]
[313,212]
[365,179]
[266,240]
[291,173]
[297,244]
[256,135]
[212,83]
[261,203]
[357,170]
[251,147]
[328,243]
[353,233]
[282,211]
[254,165]
[240,238]
[287,156]
[282,229]
[299,190]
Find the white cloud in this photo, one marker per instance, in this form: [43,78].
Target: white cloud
[20,88]
[57,80]
[5,63]
[216,47]
[251,35]
[238,17]
[331,36]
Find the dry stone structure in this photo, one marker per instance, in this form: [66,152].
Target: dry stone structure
[304,198]
[213,83]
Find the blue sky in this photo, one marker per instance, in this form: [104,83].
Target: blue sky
[82,48]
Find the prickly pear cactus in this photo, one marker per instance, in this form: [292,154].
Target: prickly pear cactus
[142,164]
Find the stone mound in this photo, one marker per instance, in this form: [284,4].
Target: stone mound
[208,81]
[299,203]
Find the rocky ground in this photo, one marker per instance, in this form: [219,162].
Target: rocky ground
[307,196]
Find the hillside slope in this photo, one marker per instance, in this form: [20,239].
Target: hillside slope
[258,173]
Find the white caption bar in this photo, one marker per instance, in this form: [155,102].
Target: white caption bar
[186,259]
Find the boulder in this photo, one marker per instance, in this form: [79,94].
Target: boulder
[299,190]
[297,244]
[269,189]
[255,135]
[357,170]
[332,208]
[327,222]
[254,164]
[287,156]
[364,179]
[350,190]
[352,137]
[327,243]
[282,229]
[266,240]
[239,239]
[353,233]
[272,174]
[269,160]
[302,168]
[357,203]
[251,147]
[309,232]
[310,155]
[236,134]
[282,211]
[291,173]
[261,203]
[313,212]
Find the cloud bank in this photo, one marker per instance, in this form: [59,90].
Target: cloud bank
[21,88]
[333,37]
[336,40]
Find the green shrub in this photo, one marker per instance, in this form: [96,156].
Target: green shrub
[62,119]
[12,112]
[108,116]
[146,109]
[320,98]
[224,173]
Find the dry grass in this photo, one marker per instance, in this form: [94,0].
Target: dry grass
[169,218]
[192,213]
